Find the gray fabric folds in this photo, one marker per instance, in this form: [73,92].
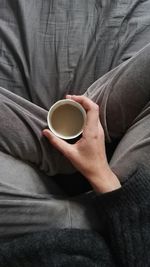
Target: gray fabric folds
[48,49]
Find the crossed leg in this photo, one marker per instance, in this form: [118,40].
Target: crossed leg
[21,128]
[123,96]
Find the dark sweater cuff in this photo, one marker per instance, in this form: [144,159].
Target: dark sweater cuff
[135,191]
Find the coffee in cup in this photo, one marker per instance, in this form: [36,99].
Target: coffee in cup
[66,119]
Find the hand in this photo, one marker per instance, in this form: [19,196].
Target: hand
[88,154]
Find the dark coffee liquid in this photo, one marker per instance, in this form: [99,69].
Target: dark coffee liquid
[67,120]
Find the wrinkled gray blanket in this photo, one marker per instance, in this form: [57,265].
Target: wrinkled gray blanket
[50,48]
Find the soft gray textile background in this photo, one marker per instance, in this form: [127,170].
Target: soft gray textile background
[47,49]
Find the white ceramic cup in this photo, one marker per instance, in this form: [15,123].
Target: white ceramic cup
[66,119]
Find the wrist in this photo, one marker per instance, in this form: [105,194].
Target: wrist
[105,182]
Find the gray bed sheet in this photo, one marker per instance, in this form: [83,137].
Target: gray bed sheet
[50,48]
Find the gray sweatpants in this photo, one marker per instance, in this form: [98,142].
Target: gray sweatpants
[50,48]
[27,203]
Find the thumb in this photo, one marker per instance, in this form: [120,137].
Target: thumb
[58,143]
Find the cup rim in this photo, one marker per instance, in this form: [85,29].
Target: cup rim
[61,103]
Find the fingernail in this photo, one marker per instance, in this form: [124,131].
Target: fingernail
[44,132]
[68,96]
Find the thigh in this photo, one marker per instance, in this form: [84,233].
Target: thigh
[27,178]
[24,211]
[29,200]
[134,148]
[21,128]
[122,93]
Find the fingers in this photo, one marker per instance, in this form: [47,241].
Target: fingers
[58,143]
[84,101]
[92,112]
